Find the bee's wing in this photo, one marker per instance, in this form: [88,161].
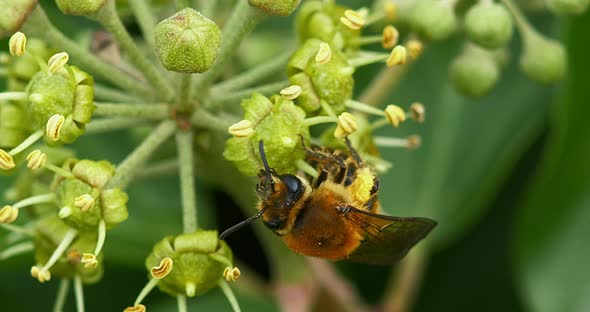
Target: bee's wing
[386,239]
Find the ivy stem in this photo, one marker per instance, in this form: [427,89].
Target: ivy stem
[184,143]
[146,20]
[145,291]
[110,20]
[229,294]
[18,229]
[16,250]
[141,154]
[161,168]
[185,92]
[61,248]
[362,107]
[203,119]
[62,293]
[312,121]
[59,170]
[181,303]
[366,58]
[35,200]
[32,139]
[242,21]
[18,96]
[257,73]
[370,39]
[113,95]
[113,124]
[39,25]
[266,89]
[79,293]
[153,111]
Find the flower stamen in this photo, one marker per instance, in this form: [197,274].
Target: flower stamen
[163,269]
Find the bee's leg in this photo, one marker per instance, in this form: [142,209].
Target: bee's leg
[330,162]
[353,152]
[321,178]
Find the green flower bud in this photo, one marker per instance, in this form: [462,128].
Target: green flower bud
[49,232]
[543,60]
[567,6]
[277,121]
[276,7]
[475,71]
[331,81]
[67,92]
[489,25]
[80,7]
[433,19]
[321,20]
[14,15]
[199,260]
[13,125]
[187,42]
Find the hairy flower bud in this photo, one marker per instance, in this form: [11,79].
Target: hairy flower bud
[276,7]
[187,42]
[14,14]
[474,72]
[433,19]
[543,60]
[80,7]
[489,25]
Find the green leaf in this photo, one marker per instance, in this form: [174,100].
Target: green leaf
[552,251]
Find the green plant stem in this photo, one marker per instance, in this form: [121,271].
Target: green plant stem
[370,39]
[109,18]
[242,21]
[18,229]
[366,58]
[203,119]
[181,303]
[185,92]
[362,107]
[79,293]
[35,200]
[267,89]
[113,124]
[160,168]
[39,25]
[229,294]
[264,70]
[141,154]
[145,291]
[17,96]
[153,111]
[15,250]
[316,120]
[62,293]
[105,93]
[521,22]
[146,20]
[184,143]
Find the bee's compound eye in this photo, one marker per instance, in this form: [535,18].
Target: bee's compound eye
[293,183]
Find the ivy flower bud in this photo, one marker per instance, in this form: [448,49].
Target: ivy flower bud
[567,6]
[398,56]
[474,72]
[6,160]
[324,54]
[543,60]
[395,115]
[80,7]
[36,159]
[163,269]
[346,125]
[291,92]
[433,19]
[8,214]
[137,308]
[84,202]
[390,37]
[417,111]
[57,61]
[17,44]
[53,127]
[242,129]
[187,42]
[353,20]
[489,25]
[14,15]
[415,48]
[276,7]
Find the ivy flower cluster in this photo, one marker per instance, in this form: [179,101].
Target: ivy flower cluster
[57,91]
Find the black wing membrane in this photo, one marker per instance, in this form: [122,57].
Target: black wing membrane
[386,239]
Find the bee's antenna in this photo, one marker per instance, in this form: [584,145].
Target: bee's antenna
[242,224]
[263,157]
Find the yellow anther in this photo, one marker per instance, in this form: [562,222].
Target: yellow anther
[17,44]
[231,274]
[6,160]
[40,274]
[53,127]
[324,54]
[162,270]
[390,37]
[352,19]
[414,142]
[415,48]
[36,159]
[291,92]
[89,260]
[57,61]
[398,56]
[137,308]
[417,111]
[390,10]
[395,115]
[242,129]
[346,125]
[8,214]
[84,202]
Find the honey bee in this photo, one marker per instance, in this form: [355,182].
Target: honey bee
[336,215]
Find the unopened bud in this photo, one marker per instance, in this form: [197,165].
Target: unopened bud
[276,7]
[80,7]
[324,54]
[474,72]
[395,115]
[53,127]
[242,129]
[543,60]
[36,159]
[17,44]
[57,61]
[352,20]
[434,19]
[346,125]
[489,25]
[8,214]
[390,37]
[398,56]
[291,92]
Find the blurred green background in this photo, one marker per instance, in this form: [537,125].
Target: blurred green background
[506,176]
